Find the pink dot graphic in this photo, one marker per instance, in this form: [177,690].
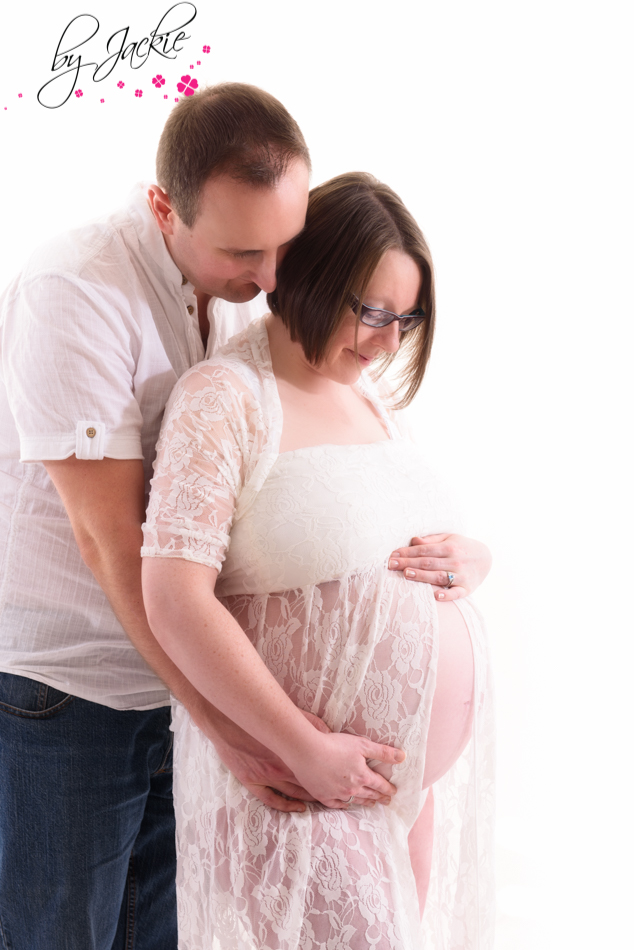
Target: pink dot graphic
[198,62]
[78,93]
[165,96]
[158,81]
[206,49]
[138,93]
[120,84]
[19,95]
[187,85]
[102,100]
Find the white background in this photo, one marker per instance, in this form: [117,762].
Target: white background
[506,128]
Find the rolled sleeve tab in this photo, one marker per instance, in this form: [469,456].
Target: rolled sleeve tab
[90,440]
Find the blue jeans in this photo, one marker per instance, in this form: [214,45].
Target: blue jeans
[87,855]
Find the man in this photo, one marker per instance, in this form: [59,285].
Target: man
[95,332]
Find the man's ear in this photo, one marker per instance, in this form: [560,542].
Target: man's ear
[161,209]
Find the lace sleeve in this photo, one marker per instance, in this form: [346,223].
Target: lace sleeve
[211,434]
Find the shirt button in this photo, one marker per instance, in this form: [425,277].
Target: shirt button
[190,309]
[91,433]
[184,280]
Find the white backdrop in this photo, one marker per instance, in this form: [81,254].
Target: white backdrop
[506,129]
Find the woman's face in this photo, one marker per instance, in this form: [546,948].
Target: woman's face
[395,286]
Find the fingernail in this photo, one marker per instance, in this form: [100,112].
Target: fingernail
[392,564]
[385,801]
[409,573]
[440,595]
[394,554]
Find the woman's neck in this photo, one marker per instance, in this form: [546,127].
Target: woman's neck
[316,409]
[290,364]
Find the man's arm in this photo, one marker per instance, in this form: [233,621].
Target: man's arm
[105,503]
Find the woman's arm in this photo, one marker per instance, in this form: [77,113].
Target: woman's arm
[211,649]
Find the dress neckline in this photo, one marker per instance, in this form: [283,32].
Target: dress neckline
[335,445]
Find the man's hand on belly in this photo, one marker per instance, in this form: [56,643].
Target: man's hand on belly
[259,769]
[431,559]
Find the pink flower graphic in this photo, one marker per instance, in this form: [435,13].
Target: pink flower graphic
[102,100]
[191,65]
[198,62]
[206,49]
[120,84]
[176,99]
[19,95]
[78,93]
[138,93]
[187,85]
[165,97]
[158,81]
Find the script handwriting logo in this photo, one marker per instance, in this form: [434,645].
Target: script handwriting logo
[164,40]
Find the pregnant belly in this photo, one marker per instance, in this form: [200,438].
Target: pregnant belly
[452,706]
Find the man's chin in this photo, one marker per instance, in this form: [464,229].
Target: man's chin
[239,294]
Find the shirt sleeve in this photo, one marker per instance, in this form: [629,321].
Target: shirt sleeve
[70,350]
[211,430]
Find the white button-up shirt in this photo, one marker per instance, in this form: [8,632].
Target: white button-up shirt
[93,335]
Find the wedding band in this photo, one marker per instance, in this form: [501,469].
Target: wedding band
[450,579]
[350,800]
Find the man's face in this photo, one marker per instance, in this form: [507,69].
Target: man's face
[240,234]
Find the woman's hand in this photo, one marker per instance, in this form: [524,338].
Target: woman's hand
[262,772]
[430,559]
[334,769]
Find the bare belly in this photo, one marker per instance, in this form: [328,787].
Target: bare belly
[452,706]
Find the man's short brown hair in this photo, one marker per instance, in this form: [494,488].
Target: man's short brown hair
[230,129]
[352,220]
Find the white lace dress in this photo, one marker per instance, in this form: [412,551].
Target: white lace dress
[303,540]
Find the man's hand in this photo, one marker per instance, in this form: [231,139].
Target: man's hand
[255,766]
[259,769]
[430,559]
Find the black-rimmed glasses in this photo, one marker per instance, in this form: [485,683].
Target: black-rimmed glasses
[373,317]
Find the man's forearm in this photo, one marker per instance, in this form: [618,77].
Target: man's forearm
[117,568]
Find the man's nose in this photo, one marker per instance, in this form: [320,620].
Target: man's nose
[264,275]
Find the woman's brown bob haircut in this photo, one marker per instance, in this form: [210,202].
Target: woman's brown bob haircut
[352,221]
[230,129]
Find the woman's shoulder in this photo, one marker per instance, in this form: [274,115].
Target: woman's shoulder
[238,366]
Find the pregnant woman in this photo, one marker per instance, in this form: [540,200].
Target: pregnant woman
[282,486]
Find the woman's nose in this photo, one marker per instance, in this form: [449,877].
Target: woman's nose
[390,336]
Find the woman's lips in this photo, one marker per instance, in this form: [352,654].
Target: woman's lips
[364,360]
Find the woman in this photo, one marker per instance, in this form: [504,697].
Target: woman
[281,488]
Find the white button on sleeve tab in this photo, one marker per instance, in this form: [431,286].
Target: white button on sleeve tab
[90,439]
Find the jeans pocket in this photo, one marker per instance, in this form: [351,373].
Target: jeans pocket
[20,696]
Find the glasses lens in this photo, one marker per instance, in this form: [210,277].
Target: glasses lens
[413,320]
[375,318]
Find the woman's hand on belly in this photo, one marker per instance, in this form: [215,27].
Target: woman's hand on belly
[429,560]
[262,772]
[334,768]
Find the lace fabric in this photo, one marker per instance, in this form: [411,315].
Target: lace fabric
[302,540]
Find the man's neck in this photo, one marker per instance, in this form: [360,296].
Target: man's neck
[203,320]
